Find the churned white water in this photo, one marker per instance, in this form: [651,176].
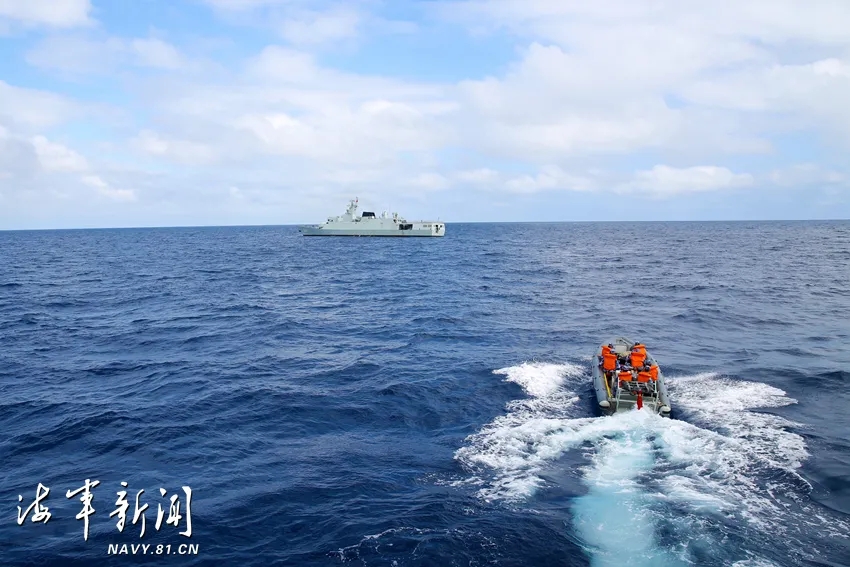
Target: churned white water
[646,474]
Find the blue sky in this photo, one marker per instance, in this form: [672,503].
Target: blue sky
[218,112]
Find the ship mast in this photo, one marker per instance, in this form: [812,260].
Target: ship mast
[351,211]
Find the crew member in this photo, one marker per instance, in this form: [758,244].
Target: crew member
[653,371]
[609,360]
[638,356]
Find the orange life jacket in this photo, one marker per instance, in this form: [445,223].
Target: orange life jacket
[638,358]
[653,371]
[625,376]
[644,376]
[609,361]
[605,349]
[640,346]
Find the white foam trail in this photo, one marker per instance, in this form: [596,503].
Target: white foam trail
[722,405]
[731,466]
[747,461]
[393,545]
[757,562]
[615,517]
[517,444]
[538,379]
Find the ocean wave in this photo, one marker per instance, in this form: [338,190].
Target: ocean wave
[728,465]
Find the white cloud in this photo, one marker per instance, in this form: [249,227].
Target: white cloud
[55,13]
[554,104]
[56,157]
[181,151]
[370,132]
[806,174]
[598,77]
[286,105]
[40,168]
[34,109]
[18,160]
[316,28]
[247,4]
[156,53]
[480,176]
[280,64]
[810,95]
[313,24]
[547,178]
[107,190]
[317,87]
[323,129]
[614,49]
[660,181]
[77,55]
[428,181]
[768,21]
[593,90]
[665,181]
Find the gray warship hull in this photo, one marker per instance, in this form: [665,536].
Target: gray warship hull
[325,231]
[368,224]
[612,398]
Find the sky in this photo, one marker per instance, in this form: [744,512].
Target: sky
[240,112]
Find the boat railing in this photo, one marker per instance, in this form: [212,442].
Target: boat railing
[635,389]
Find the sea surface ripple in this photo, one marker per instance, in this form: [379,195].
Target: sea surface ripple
[407,402]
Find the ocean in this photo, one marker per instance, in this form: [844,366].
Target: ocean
[417,402]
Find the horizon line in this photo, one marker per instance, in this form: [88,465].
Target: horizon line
[148,227]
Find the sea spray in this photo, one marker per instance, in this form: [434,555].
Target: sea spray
[615,518]
[683,489]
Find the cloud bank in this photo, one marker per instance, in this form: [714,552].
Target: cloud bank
[271,111]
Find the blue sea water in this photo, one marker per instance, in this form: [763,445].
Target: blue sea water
[408,402]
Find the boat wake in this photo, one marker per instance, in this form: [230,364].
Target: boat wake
[660,491]
[514,448]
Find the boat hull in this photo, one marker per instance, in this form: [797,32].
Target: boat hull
[321,231]
[606,396]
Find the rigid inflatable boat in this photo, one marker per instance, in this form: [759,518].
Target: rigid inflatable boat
[626,376]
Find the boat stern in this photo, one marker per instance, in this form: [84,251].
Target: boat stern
[429,228]
[637,390]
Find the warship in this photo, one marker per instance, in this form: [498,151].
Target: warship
[368,224]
